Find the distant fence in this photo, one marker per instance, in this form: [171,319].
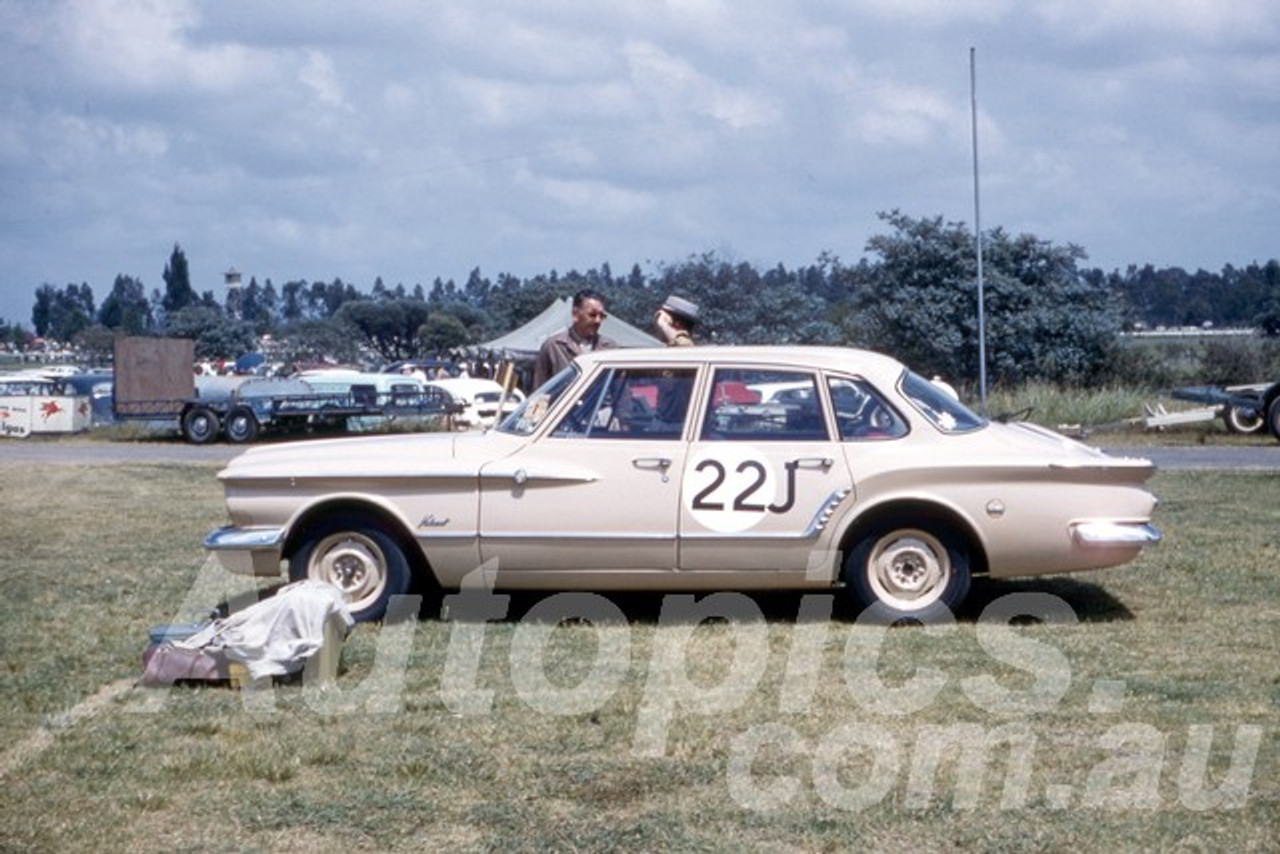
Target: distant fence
[1190,332]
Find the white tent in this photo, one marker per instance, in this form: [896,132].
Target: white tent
[525,342]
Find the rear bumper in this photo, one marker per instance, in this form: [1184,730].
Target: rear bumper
[1114,534]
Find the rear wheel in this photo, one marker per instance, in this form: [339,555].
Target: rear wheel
[200,425]
[908,570]
[358,556]
[1244,420]
[242,425]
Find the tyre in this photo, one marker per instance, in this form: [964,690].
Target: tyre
[200,425]
[1273,417]
[1244,421]
[908,570]
[241,426]
[358,556]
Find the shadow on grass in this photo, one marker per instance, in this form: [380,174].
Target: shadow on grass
[1090,603]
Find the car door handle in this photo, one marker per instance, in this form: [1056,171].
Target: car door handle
[814,463]
[656,463]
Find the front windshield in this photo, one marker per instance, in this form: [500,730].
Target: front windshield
[944,411]
[528,415]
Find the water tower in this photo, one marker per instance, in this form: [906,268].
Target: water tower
[234,294]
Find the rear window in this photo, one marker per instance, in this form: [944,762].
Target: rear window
[933,402]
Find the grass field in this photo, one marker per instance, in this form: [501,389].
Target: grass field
[1144,716]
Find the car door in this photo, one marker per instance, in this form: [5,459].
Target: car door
[599,491]
[762,474]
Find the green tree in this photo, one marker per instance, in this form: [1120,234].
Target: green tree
[389,326]
[257,305]
[178,293]
[317,342]
[441,333]
[738,305]
[292,301]
[13,336]
[322,300]
[96,342]
[126,308]
[216,336]
[62,314]
[1044,319]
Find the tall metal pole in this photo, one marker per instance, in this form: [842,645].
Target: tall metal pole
[977,238]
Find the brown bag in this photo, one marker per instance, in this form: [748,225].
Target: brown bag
[165,664]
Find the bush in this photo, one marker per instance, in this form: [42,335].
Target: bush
[1234,361]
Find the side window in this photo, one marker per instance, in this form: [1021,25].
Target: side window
[624,403]
[862,414]
[764,405]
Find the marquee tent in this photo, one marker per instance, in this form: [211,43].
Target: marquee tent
[525,342]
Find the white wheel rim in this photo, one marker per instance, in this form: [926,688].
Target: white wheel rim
[908,570]
[201,426]
[354,564]
[239,426]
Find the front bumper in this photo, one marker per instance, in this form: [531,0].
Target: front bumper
[247,551]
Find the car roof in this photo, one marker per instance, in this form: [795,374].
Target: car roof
[845,359]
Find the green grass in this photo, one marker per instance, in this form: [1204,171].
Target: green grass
[1187,638]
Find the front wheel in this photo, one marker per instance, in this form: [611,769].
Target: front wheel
[905,570]
[358,557]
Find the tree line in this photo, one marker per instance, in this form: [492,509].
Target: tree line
[913,295]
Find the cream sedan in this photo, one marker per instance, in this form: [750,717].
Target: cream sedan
[676,469]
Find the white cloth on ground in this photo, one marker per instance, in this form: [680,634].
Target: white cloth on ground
[277,635]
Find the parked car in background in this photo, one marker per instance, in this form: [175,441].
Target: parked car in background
[480,400]
[667,469]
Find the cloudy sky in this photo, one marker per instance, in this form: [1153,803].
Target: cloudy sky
[415,139]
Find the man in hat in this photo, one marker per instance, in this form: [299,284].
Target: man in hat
[675,321]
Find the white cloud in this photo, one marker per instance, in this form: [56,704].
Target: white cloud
[673,86]
[319,75]
[144,44]
[907,115]
[590,200]
[1195,20]
[410,140]
[935,13]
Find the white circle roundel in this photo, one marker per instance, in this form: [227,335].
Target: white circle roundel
[728,488]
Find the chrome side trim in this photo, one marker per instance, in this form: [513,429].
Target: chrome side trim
[521,475]
[703,536]
[574,535]
[823,516]
[241,539]
[1102,534]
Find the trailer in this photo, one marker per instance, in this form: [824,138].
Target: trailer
[240,408]
[1243,409]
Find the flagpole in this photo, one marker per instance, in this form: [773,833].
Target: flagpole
[977,238]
